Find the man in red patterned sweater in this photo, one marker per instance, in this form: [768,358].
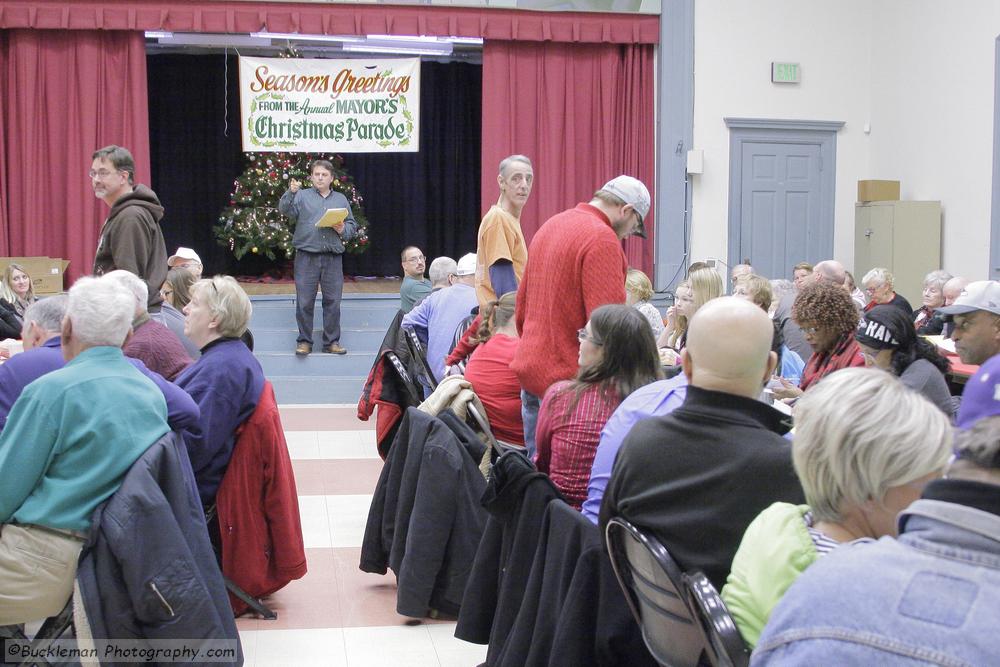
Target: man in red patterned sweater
[575,264]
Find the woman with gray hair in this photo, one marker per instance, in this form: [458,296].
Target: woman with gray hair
[932,298]
[880,291]
[865,447]
[225,382]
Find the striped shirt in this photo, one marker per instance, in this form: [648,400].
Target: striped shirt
[824,543]
[566,440]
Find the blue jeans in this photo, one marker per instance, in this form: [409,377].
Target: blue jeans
[529,415]
[323,270]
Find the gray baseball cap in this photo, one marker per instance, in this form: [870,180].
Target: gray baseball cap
[980,295]
[631,191]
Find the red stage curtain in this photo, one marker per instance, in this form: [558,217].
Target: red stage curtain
[330,19]
[63,94]
[583,113]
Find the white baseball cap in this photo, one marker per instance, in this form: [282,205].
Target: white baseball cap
[466,265]
[183,254]
[631,191]
[980,295]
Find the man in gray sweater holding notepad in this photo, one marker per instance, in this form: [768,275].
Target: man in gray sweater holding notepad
[323,221]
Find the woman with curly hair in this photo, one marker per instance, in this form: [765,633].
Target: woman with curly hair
[828,318]
[888,341]
[617,356]
[489,372]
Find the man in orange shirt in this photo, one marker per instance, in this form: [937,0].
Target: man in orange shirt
[501,251]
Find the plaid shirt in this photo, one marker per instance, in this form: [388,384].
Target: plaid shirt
[567,441]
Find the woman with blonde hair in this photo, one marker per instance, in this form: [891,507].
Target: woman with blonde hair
[225,382]
[702,286]
[489,370]
[16,290]
[638,291]
[865,447]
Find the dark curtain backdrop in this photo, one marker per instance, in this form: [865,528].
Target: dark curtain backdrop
[64,94]
[429,199]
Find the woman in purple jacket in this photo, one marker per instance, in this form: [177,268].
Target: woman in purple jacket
[225,382]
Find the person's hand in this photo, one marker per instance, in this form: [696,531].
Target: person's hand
[668,357]
[671,317]
[4,353]
[339,227]
[294,185]
[787,390]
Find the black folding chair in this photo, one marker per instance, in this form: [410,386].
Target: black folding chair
[255,604]
[52,629]
[716,621]
[654,588]
[418,353]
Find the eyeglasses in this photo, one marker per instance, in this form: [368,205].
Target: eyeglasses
[102,173]
[810,331]
[419,258]
[582,335]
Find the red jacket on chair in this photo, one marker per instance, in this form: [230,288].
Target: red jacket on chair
[258,508]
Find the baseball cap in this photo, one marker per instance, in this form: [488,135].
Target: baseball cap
[981,397]
[980,295]
[183,254]
[885,327]
[466,265]
[631,191]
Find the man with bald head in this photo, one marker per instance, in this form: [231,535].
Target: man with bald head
[950,291]
[697,477]
[831,271]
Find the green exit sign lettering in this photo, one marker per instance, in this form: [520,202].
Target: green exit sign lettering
[785,73]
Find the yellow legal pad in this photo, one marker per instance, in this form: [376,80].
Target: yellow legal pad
[332,218]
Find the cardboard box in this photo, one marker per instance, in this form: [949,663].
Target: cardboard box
[878,191]
[46,272]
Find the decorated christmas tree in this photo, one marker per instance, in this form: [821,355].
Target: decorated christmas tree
[252,224]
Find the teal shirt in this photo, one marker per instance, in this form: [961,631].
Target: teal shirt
[71,437]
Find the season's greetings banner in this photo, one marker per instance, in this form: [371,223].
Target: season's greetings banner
[316,106]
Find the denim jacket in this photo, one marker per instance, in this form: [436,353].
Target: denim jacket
[932,596]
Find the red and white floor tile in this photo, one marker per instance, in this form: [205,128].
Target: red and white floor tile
[338,615]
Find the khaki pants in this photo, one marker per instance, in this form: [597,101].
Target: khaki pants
[37,569]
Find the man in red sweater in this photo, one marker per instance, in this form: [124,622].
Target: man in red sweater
[575,264]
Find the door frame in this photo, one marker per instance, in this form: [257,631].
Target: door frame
[993,270]
[822,133]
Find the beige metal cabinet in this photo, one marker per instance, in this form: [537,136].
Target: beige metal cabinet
[902,236]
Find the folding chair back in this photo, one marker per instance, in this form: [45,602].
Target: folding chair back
[654,588]
[420,355]
[717,623]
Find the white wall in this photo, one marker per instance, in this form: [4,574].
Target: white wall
[920,71]
[735,43]
[932,115]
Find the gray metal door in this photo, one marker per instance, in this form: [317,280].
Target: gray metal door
[781,217]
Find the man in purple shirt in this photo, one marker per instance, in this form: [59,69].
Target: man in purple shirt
[43,354]
[653,400]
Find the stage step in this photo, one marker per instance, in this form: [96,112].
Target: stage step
[320,377]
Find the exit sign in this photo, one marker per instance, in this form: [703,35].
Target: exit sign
[785,73]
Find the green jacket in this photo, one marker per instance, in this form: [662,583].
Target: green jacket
[775,550]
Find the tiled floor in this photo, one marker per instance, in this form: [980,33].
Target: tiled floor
[338,615]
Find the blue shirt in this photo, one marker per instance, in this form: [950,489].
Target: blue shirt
[22,369]
[306,207]
[71,437]
[653,400]
[437,317]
